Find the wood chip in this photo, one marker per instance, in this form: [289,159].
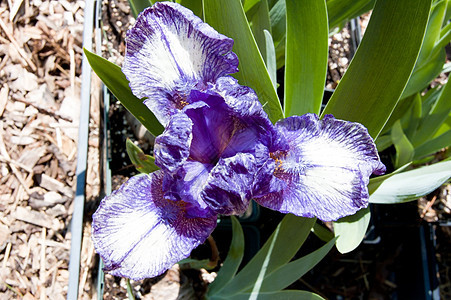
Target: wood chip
[30,158]
[52,184]
[3,98]
[33,217]
[16,45]
[5,235]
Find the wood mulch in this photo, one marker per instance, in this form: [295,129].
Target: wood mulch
[40,66]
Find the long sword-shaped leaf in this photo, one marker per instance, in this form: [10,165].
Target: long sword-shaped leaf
[289,273]
[382,64]
[340,11]
[404,149]
[277,251]
[115,80]
[138,6]
[432,121]
[194,5]
[281,295]
[228,18]
[433,30]
[412,184]
[306,56]
[431,57]
[259,20]
[233,260]
[433,145]
[270,59]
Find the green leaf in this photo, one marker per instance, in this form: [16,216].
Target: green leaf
[377,181]
[130,294]
[422,76]
[228,18]
[383,142]
[115,80]
[190,263]
[306,56]
[232,261]
[445,127]
[289,273]
[412,184]
[448,12]
[445,36]
[194,5]
[435,118]
[340,11]
[351,230]
[280,248]
[322,232]
[144,163]
[433,31]
[413,116]
[277,16]
[432,55]
[401,109]
[250,4]
[404,149]
[138,6]
[270,59]
[259,22]
[281,295]
[381,67]
[434,145]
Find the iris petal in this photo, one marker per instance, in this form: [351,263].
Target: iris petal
[172,147]
[170,51]
[244,103]
[228,189]
[140,234]
[213,126]
[187,184]
[326,168]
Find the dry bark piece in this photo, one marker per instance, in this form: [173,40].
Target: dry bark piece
[52,184]
[30,158]
[3,98]
[5,235]
[33,217]
[17,46]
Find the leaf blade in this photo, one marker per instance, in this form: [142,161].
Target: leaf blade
[229,19]
[351,230]
[233,260]
[115,80]
[306,56]
[278,250]
[144,163]
[405,186]
[382,64]
[289,273]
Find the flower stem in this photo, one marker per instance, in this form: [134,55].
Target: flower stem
[130,294]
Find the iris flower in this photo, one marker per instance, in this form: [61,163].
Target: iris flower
[218,151]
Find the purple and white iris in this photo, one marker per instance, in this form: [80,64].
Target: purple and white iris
[218,151]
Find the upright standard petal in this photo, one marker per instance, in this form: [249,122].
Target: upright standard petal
[169,52]
[227,148]
[243,101]
[326,168]
[139,234]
